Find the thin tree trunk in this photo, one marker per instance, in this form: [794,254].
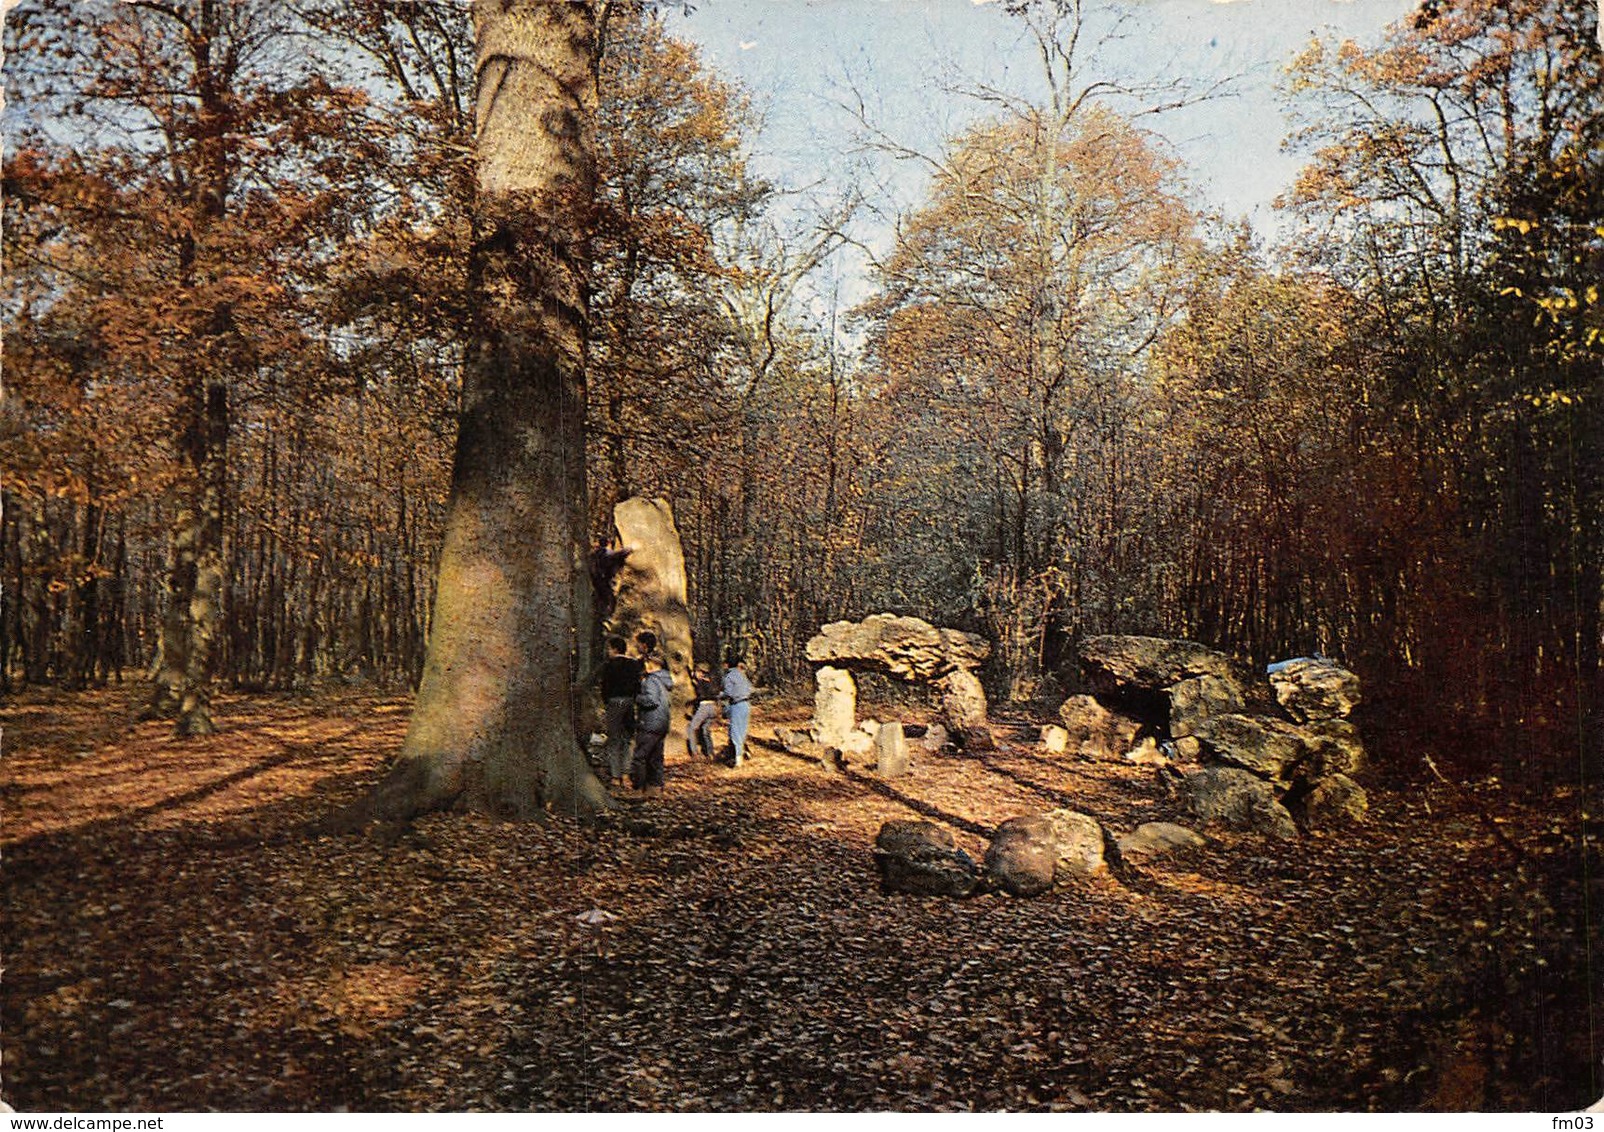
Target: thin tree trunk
[11,595]
[206,599]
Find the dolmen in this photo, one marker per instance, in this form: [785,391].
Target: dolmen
[905,648]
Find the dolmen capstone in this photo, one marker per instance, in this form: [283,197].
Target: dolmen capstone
[906,648]
[1256,753]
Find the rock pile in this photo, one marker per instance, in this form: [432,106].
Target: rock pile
[1264,757]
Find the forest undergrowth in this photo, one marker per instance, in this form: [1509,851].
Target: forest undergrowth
[175,939]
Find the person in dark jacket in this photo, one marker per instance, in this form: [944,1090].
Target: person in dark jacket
[619,677]
[651,726]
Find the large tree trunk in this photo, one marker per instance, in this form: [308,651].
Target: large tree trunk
[493,726]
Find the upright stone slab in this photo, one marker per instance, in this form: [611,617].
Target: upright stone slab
[963,702]
[835,705]
[890,751]
[1096,730]
[1197,699]
[650,590]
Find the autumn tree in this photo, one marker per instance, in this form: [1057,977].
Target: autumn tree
[211,174]
[1262,391]
[673,140]
[1014,313]
[1454,181]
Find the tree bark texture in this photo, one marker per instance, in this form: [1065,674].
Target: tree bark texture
[493,726]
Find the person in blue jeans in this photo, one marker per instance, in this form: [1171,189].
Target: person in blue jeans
[736,692]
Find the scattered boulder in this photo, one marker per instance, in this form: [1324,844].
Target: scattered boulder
[1158,839]
[1314,688]
[1118,664]
[921,859]
[1080,844]
[1197,699]
[1054,739]
[1334,800]
[932,738]
[963,702]
[1023,855]
[1239,799]
[1272,748]
[890,751]
[1187,748]
[835,705]
[802,744]
[906,647]
[1095,729]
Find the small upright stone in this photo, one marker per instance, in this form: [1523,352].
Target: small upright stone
[890,751]
[835,705]
[1054,739]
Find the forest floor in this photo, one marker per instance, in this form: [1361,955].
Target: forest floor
[175,940]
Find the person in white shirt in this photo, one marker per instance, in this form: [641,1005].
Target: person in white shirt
[737,691]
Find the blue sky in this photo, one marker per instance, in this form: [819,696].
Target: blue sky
[802,58]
